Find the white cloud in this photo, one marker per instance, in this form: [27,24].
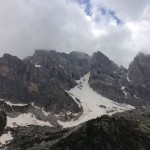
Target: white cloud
[63,25]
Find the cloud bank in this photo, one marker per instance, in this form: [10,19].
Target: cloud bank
[119,29]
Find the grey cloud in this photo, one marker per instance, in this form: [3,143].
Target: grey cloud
[64,26]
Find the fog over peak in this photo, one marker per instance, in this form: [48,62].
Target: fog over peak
[119,29]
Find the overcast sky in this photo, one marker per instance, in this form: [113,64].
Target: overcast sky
[118,28]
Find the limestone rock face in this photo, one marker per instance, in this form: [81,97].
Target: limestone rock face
[65,68]
[139,77]
[107,78]
[123,85]
[139,70]
[23,82]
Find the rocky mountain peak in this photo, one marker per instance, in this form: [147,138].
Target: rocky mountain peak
[100,60]
[106,77]
[9,58]
[142,59]
[139,70]
[10,64]
[80,55]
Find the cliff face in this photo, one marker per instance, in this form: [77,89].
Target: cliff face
[138,74]
[107,78]
[65,68]
[23,82]
[139,70]
[119,84]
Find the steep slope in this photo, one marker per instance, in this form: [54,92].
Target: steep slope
[111,133]
[24,83]
[65,68]
[122,85]
[139,79]
[50,91]
[94,105]
[107,78]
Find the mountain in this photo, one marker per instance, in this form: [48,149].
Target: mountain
[22,82]
[107,78]
[138,75]
[65,68]
[119,84]
[52,96]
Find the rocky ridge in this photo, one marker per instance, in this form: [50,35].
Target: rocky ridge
[37,88]
[22,82]
[120,84]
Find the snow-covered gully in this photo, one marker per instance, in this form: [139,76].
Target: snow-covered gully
[94,105]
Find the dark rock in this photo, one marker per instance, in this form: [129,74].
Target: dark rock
[66,68]
[119,84]
[3,121]
[138,74]
[23,82]
[107,78]
[36,137]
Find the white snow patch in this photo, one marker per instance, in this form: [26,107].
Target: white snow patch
[26,119]
[38,66]
[5,138]
[68,113]
[94,105]
[45,113]
[42,109]
[10,103]
[61,66]
[123,89]
[128,78]
[136,97]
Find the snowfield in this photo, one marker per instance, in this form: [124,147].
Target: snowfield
[11,104]
[6,138]
[26,119]
[94,105]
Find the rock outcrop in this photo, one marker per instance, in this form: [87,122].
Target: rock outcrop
[107,78]
[120,84]
[23,82]
[3,121]
[139,79]
[65,68]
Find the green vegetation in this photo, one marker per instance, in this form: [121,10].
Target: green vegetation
[107,133]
